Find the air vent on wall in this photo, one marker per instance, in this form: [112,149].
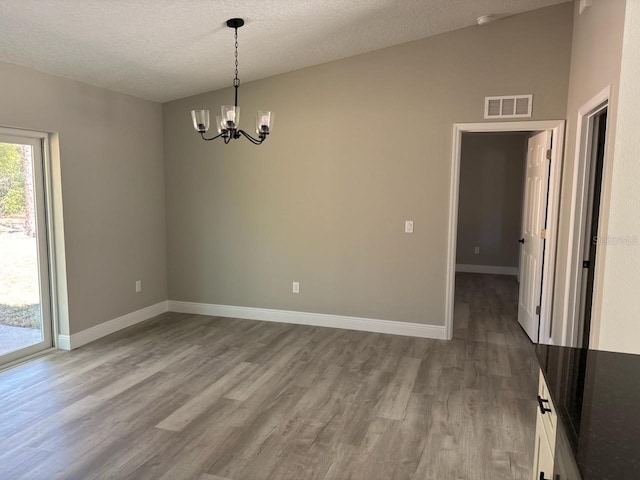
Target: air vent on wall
[508,106]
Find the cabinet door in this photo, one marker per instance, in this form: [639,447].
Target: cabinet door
[550,417]
[543,455]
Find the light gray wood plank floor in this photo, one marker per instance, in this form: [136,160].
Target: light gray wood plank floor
[195,397]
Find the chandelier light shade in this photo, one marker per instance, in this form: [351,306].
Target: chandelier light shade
[200,120]
[264,122]
[227,124]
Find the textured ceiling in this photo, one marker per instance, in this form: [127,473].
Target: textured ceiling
[167,49]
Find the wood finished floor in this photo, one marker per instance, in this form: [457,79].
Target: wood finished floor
[193,397]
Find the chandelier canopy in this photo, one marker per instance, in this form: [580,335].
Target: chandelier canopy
[227,123]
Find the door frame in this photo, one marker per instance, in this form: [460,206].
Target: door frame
[53,219]
[557,149]
[582,161]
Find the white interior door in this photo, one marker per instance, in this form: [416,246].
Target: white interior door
[532,249]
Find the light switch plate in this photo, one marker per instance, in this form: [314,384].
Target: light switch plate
[408,226]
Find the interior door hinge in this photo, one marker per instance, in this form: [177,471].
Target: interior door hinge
[549,154]
[538,310]
[543,233]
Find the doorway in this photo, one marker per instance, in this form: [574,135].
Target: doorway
[25,298]
[488,255]
[539,221]
[597,135]
[582,279]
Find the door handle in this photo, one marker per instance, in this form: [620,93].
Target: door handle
[541,404]
[542,477]
[521,240]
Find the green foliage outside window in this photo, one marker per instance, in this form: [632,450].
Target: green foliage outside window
[11,180]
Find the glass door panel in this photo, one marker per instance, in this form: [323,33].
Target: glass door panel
[25,310]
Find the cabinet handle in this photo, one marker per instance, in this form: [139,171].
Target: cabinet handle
[543,408]
[542,476]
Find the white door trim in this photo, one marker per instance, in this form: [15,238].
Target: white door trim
[557,128]
[582,158]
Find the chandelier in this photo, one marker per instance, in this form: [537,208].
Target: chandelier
[227,123]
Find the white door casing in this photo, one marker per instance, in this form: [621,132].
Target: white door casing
[571,320]
[556,129]
[534,220]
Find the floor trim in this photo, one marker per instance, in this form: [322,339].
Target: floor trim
[69,342]
[490,269]
[64,342]
[316,319]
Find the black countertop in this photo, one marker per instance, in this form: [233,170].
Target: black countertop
[597,398]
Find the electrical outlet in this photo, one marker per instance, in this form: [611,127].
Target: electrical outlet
[476,250]
[408,226]
[296,287]
[138,286]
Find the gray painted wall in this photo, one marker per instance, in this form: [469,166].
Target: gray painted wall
[596,58]
[112,175]
[619,328]
[360,145]
[490,198]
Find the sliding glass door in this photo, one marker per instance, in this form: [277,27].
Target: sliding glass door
[25,305]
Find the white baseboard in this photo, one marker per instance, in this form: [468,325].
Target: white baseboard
[316,319]
[491,269]
[64,342]
[69,342]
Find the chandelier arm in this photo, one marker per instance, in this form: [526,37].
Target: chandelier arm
[209,139]
[227,139]
[255,141]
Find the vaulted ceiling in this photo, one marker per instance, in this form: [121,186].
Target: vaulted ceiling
[167,49]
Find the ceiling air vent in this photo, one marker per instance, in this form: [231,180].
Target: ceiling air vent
[508,106]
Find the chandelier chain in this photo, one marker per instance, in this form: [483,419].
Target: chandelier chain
[236,54]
